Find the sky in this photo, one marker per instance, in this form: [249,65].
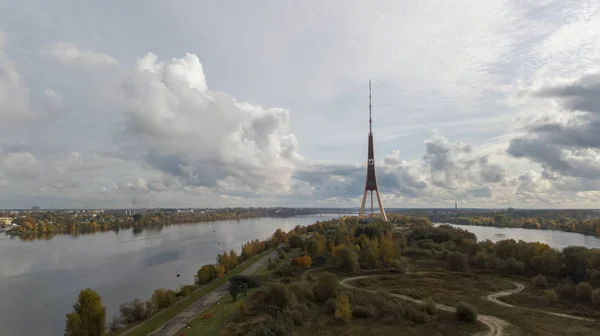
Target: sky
[232,103]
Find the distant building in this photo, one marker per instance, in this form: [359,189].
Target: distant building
[4,221]
[35,208]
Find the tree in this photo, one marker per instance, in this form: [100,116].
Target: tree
[326,287]
[88,317]
[347,258]
[343,310]
[457,262]
[205,274]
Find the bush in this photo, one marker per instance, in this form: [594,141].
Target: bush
[512,266]
[596,297]
[457,262]
[330,305]
[540,282]
[207,316]
[273,325]
[250,281]
[399,266]
[466,312]
[583,291]
[363,312]
[304,261]
[133,311]
[550,297]
[429,306]
[326,287]
[566,290]
[296,316]
[278,295]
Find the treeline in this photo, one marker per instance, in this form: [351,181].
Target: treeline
[45,225]
[585,226]
[88,317]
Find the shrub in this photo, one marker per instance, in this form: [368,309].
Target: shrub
[466,312]
[304,261]
[583,291]
[429,306]
[457,262]
[566,290]
[296,316]
[239,279]
[163,298]
[133,311]
[278,295]
[326,287]
[480,259]
[207,316]
[550,297]
[596,297]
[363,312]
[114,324]
[399,266]
[273,325]
[512,266]
[539,281]
[330,305]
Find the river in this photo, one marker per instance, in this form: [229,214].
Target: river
[40,279]
[556,239]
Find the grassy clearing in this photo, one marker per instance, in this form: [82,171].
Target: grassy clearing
[532,298]
[445,325]
[226,307]
[450,287]
[444,287]
[165,315]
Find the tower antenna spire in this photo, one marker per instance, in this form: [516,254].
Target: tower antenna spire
[370,106]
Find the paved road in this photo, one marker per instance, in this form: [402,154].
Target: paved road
[190,313]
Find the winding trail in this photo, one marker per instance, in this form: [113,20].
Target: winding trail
[496,325]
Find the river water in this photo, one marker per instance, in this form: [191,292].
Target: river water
[556,239]
[40,280]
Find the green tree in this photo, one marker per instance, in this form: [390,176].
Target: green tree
[88,317]
[343,310]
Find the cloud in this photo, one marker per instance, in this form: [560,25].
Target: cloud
[14,103]
[566,141]
[69,54]
[495,104]
[174,124]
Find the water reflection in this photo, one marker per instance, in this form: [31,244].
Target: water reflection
[120,266]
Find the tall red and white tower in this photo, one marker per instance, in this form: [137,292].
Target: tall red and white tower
[371,184]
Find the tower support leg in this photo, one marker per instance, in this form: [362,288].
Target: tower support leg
[381,209]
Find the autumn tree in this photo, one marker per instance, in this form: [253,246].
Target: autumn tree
[316,245]
[88,317]
[343,310]
[347,259]
[205,274]
[304,261]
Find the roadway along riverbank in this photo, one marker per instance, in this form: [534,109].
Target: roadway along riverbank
[178,322]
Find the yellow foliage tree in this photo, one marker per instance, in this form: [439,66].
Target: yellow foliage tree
[343,310]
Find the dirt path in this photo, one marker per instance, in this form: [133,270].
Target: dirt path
[494,298]
[496,325]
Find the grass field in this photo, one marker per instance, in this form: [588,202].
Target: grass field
[446,325]
[532,298]
[451,287]
[159,319]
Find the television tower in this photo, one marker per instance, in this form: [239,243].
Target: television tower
[371,183]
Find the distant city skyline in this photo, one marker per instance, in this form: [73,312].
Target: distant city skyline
[205,104]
